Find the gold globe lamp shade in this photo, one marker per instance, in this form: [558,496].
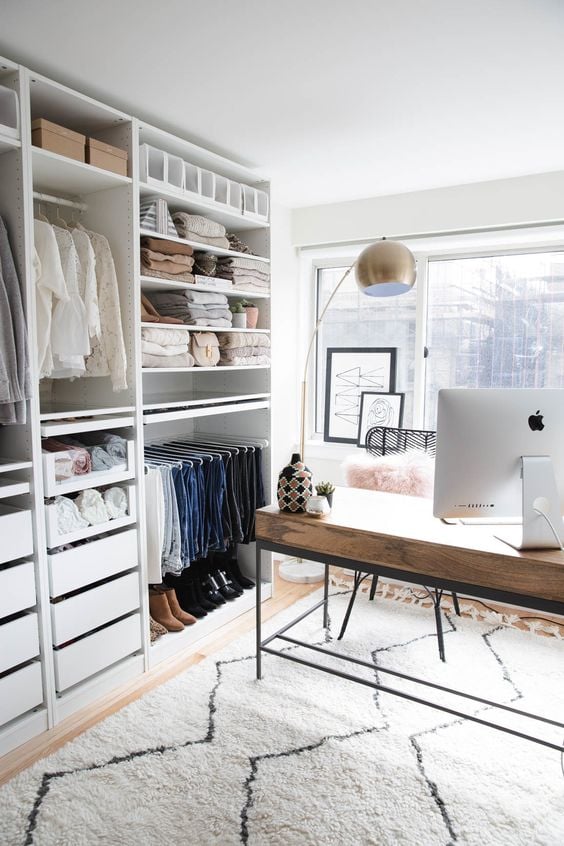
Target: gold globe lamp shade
[385,269]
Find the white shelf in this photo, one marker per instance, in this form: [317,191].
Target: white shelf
[219,367]
[8,143]
[173,642]
[205,411]
[59,174]
[156,401]
[12,487]
[8,465]
[215,329]
[151,283]
[199,205]
[203,248]
[52,428]
[64,412]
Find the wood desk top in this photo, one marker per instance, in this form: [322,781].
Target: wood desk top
[400,532]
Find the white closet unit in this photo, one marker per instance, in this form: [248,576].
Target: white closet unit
[74,617]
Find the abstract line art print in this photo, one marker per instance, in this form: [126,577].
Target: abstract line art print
[350,371]
[378,409]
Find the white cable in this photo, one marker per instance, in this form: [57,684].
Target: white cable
[549,521]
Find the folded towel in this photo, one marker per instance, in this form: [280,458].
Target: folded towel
[171,248]
[199,225]
[183,360]
[243,339]
[159,349]
[212,312]
[164,337]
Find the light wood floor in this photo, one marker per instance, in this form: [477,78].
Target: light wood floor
[285,594]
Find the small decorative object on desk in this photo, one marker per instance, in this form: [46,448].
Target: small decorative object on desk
[318,506]
[326,489]
[252,314]
[294,486]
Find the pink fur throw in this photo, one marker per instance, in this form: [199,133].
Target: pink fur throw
[408,473]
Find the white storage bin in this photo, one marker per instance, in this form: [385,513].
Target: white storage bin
[221,190]
[235,197]
[192,182]
[87,611]
[255,202]
[15,532]
[207,184]
[175,169]
[20,692]
[19,641]
[88,480]
[153,165]
[9,120]
[91,562]
[262,204]
[17,588]
[85,657]
[55,538]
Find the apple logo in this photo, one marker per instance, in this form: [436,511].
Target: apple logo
[535,422]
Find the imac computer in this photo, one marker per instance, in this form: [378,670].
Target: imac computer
[500,459]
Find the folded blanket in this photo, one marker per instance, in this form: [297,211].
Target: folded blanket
[212,312]
[199,225]
[205,297]
[186,298]
[169,248]
[244,263]
[81,462]
[216,322]
[241,273]
[243,339]
[178,277]
[246,360]
[159,349]
[246,352]
[183,360]
[201,239]
[164,337]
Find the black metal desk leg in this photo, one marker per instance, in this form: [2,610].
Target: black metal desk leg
[258,608]
[439,624]
[326,597]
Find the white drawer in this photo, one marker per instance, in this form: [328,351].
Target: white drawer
[95,478]
[15,532]
[55,538]
[86,611]
[92,562]
[17,588]
[20,692]
[79,660]
[19,641]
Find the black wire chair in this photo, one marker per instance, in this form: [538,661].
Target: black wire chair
[383,440]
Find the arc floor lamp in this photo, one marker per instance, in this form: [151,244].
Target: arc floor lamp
[383,269]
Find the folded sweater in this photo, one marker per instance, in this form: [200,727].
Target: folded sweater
[199,225]
[171,248]
[164,337]
[160,349]
[244,339]
[182,360]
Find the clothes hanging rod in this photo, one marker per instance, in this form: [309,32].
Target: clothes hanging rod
[59,201]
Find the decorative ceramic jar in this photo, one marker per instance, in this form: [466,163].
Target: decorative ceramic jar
[294,486]
[318,506]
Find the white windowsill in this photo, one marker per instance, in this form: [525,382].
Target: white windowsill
[330,451]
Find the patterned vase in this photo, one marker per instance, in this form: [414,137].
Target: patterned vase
[294,486]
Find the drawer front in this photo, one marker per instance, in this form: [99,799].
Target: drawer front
[19,641]
[96,652]
[92,562]
[20,692]
[79,614]
[16,533]
[17,588]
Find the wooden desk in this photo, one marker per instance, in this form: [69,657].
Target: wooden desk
[397,536]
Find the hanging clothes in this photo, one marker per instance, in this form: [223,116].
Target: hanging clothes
[50,284]
[15,384]
[87,281]
[69,331]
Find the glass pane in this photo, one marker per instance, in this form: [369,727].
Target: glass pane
[356,320]
[495,322]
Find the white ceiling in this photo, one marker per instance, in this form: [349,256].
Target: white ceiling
[335,99]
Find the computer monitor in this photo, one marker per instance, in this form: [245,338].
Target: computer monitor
[500,456]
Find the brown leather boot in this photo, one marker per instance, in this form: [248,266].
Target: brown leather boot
[160,611]
[176,610]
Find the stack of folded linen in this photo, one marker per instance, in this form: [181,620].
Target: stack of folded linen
[194,308]
[194,227]
[245,273]
[166,259]
[239,349]
[165,347]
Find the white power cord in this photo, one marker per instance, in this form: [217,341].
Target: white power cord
[540,506]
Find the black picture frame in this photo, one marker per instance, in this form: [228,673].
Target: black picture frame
[391,417]
[349,372]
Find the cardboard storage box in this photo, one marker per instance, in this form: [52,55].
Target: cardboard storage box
[103,155]
[57,139]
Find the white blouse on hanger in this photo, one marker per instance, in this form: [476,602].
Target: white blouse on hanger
[69,332]
[87,280]
[49,283]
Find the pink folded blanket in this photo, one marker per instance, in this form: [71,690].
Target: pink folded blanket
[81,462]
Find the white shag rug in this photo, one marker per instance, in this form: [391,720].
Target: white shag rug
[214,758]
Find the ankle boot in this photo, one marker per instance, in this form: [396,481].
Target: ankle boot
[201,599]
[233,568]
[160,611]
[226,589]
[176,610]
[188,601]
[210,589]
[155,630]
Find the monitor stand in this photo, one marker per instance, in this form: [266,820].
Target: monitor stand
[541,508]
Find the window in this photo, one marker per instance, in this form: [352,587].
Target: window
[491,320]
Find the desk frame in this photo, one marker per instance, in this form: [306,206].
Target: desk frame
[508,597]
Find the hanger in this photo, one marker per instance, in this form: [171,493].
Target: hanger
[60,221]
[40,215]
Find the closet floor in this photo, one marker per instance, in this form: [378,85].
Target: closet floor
[285,594]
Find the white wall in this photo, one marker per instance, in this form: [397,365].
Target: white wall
[504,202]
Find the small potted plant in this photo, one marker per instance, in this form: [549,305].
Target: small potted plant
[252,314]
[327,490]
[239,320]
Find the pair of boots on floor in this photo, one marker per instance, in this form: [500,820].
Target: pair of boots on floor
[165,610]
[209,583]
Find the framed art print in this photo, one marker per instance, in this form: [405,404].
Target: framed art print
[350,371]
[379,409]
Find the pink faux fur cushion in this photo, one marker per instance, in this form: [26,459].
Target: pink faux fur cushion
[408,473]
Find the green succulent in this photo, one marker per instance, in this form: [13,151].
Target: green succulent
[324,488]
[237,308]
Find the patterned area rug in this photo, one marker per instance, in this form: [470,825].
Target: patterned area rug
[215,758]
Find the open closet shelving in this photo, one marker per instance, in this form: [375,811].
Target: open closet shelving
[74,621]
